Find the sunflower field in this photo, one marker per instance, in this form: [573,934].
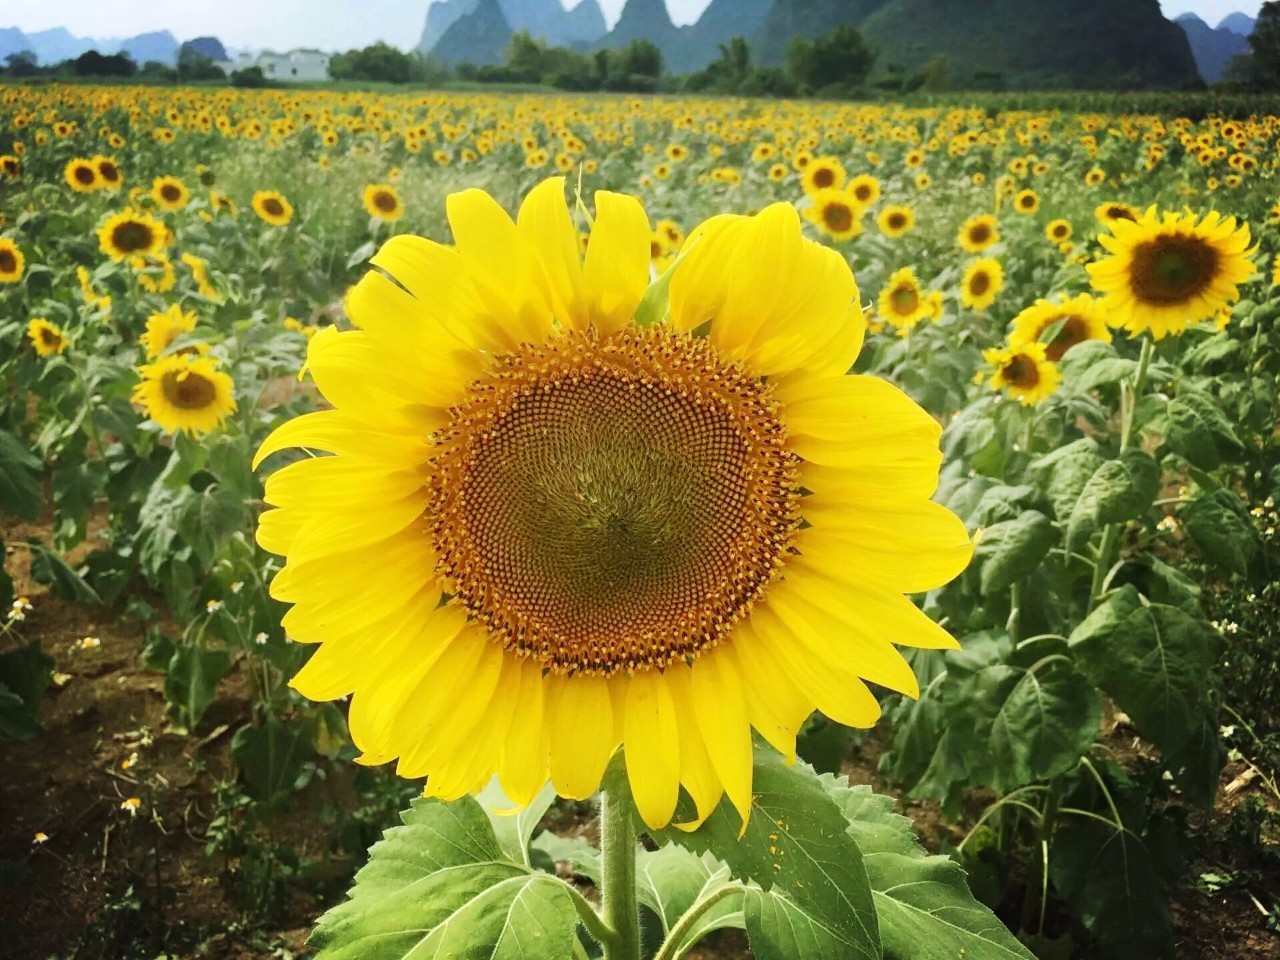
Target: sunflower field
[529,526]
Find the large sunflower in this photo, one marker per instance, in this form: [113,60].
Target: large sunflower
[589,533]
[130,234]
[12,261]
[1167,271]
[836,213]
[185,391]
[982,282]
[1072,321]
[381,200]
[978,233]
[81,175]
[272,207]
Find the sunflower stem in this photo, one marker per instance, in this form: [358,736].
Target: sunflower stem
[618,890]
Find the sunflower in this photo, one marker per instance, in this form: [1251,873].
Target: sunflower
[221,203]
[170,193]
[592,534]
[1026,202]
[1073,321]
[1167,271]
[865,189]
[10,166]
[272,207]
[1024,372]
[130,234]
[672,232]
[896,220]
[778,172]
[1109,213]
[1058,231]
[835,213]
[822,173]
[109,175]
[1094,177]
[12,261]
[165,328]
[48,340]
[81,175]
[982,283]
[902,303]
[185,391]
[978,233]
[382,201]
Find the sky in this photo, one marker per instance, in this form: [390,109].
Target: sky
[334,24]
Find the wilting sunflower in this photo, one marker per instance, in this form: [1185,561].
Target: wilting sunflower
[1058,231]
[835,213]
[1167,271]
[109,175]
[48,340]
[982,282]
[896,220]
[822,173]
[164,328]
[185,391]
[1026,202]
[978,233]
[81,175]
[1073,321]
[272,207]
[382,201]
[902,303]
[130,234]
[1024,372]
[12,262]
[592,534]
[865,189]
[170,193]
[1109,213]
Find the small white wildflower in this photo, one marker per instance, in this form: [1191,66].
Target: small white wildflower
[213,606]
[131,805]
[237,586]
[261,639]
[40,837]
[87,643]
[129,762]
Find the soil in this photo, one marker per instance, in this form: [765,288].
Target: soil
[108,883]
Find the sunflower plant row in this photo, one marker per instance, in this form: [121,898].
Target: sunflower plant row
[542,490]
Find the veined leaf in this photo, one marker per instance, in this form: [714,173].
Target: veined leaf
[1199,431]
[1221,529]
[1011,549]
[1119,490]
[20,491]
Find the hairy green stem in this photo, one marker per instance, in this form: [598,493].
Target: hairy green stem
[1048,820]
[618,890]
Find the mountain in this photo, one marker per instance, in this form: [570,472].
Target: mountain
[58,44]
[210,47]
[1084,44]
[805,18]
[1213,49]
[646,20]
[1239,23]
[480,36]
[546,19]
[720,22]
[159,46]
[585,23]
[12,40]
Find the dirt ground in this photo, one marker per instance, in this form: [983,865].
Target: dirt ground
[109,883]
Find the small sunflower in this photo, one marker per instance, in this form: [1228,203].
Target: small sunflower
[10,166]
[165,328]
[109,175]
[835,213]
[185,392]
[902,302]
[1058,231]
[896,220]
[982,282]
[822,173]
[81,175]
[12,262]
[1167,271]
[48,339]
[221,203]
[1109,213]
[272,207]
[1026,202]
[170,193]
[865,189]
[381,200]
[1024,372]
[672,232]
[1072,321]
[978,233]
[130,234]
[778,172]
[1094,177]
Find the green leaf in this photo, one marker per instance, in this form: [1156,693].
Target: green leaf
[64,583]
[1093,364]
[1218,524]
[1119,490]
[24,676]
[1010,550]
[1155,661]
[925,908]
[441,887]
[271,756]
[1199,431]
[191,681]
[548,849]
[813,898]
[512,825]
[20,491]
[1063,473]
[1107,877]
[671,879]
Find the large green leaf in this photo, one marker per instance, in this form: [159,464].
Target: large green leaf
[671,879]
[441,887]
[514,826]
[1093,364]
[20,493]
[271,756]
[191,682]
[811,896]
[1120,489]
[1063,473]
[64,583]
[1199,430]
[1008,551]
[1218,524]
[925,908]
[24,675]
[1154,660]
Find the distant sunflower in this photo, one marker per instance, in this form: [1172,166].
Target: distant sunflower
[778,172]
[48,340]
[10,166]
[902,303]
[109,175]
[835,213]
[81,175]
[12,261]
[978,233]
[1167,271]
[185,392]
[1074,321]
[130,234]
[865,189]
[1109,213]
[221,203]
[170,193]
[165,328]
[1024,372]
[382,201]
[822,173]
[1026,202]
[896,220]
[672,232]
[1058,231]
[1094,177]
[982,282]
[272,207]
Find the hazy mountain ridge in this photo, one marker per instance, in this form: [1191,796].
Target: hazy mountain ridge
[58,44]
[547,19]
[1213,49]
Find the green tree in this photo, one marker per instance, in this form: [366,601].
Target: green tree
[840,60]
[1265,43]
[381,62]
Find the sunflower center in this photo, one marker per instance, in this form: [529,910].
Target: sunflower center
[170,193]
[823,177]
[896,221]
[188,390]
[1073,331]
[384,201]
[109,172]
[979,283]
[1172,269]
[1120,213]
[837,217]
[863,192]
[49,337]
[272,207]
[83,175]
[980,233]
[131,236]
[612,504]
[1021,371]
[8,262]
[905,300]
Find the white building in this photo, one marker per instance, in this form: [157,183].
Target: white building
[296,66]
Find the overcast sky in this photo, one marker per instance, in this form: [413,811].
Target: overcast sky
[333,24]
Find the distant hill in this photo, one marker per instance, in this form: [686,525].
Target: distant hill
[1213,49]
[805,18]
[479,36]
[160,46]
[13,40]
[546,19]
[58,44]
[210,47]
[645,20]
[54,46]
[1238,23]
[720,22]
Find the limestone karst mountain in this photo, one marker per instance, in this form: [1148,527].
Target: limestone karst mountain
[1213,49]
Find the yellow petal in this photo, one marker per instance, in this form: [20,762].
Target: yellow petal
[651,748]
[544,219]
[778,707]
[697,773]
[615,273]
[335,432]
[523,766]
[725,725]
[580,727]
